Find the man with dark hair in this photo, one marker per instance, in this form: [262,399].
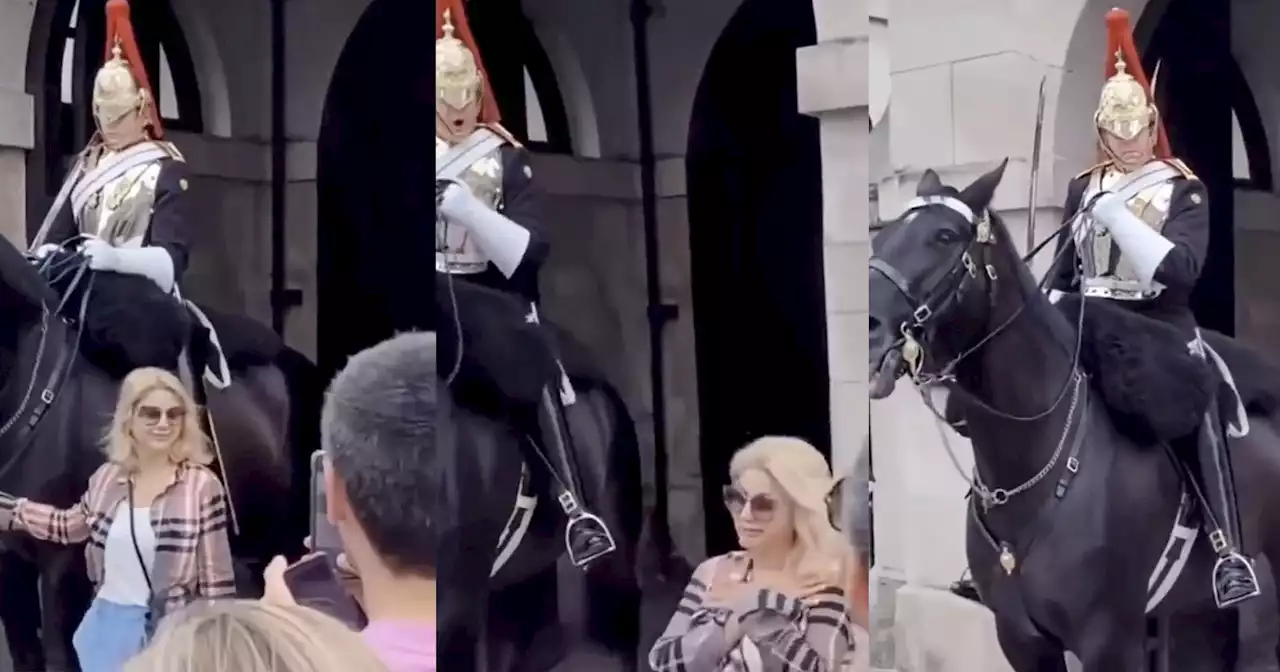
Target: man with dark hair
[378,431]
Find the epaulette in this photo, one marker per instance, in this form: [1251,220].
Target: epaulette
[1181,167]
[505,134]
[1092,168]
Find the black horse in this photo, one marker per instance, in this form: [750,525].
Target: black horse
[61,360]
[490,359]
[1069,410]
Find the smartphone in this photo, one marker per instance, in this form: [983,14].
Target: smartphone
[314,583]
[324,536]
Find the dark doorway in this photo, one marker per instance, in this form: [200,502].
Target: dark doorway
[1198,87]
[755,221]
[375,238]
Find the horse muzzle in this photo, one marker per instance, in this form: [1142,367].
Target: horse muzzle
[885,371]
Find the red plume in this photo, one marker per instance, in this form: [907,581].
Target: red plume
[1120,38]
[120,28]
[462,30]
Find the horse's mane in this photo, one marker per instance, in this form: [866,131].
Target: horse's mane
[20,277]
[1037,304]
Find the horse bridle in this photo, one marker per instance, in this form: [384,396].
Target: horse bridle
[941,297]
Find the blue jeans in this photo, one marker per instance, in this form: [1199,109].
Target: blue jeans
[109,636]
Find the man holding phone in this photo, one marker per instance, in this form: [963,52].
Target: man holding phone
[378,437]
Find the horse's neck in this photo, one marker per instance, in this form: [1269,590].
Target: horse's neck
[1020,372]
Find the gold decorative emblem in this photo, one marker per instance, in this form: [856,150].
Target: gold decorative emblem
[182,184]
[1195,199]
[528,171]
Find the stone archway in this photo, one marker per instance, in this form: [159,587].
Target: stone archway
[754,175]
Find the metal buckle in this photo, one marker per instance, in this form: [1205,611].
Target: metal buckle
[1073,465]
[47,396]
[922,314]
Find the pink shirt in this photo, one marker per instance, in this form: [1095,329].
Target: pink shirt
[404,646]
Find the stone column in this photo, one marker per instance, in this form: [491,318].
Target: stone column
[832,80]
[17,137]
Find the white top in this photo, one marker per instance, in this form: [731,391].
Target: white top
[123,581]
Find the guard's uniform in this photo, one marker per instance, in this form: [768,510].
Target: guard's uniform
[132,197]
[1138,236]
[488,232]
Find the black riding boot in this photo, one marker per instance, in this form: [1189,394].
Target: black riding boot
[1234,578]
[586,536]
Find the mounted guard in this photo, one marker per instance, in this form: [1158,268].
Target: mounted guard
[1139,237]
[125,204]
[487,232]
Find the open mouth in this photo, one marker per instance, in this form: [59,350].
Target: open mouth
[885,377]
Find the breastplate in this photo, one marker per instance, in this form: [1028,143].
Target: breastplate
[456,249]
[1105,271]
[120,212]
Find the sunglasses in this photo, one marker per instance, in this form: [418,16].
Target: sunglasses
[152,414]
[762,506]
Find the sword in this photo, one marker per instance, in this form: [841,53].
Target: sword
[1035,169]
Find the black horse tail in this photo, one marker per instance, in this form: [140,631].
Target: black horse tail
[306,397]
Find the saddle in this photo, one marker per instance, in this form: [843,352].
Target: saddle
[1153,387]
[498,358]
[128,322]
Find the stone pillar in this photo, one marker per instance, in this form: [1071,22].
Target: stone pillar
[17,137]
[832,81]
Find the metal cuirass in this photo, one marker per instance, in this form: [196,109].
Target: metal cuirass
[1105,271]
[120,212]
[456,249]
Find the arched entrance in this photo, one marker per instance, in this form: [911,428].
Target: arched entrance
[376,213]
[755,219]
[375,234]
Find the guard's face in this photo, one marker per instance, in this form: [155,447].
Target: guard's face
[455,124]
[123,130]
[1131,153]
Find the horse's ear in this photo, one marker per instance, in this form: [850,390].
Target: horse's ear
[979,194]
[930,184]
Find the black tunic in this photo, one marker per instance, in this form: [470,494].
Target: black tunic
[522,204]
[1186,226]
[170,226]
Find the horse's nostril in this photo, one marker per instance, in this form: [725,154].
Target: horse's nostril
[873,326]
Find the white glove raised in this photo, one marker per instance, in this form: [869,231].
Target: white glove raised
[1108,208]
[45,250]
[102,255]
[456,201]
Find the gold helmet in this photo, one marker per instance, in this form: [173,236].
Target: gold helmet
[460,76]
[1126,106]
[121,85]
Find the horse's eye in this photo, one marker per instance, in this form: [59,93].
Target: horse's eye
[947,236]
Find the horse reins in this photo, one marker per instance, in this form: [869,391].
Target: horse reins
[78,265]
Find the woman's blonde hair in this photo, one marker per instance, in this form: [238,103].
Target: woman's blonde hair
[191,446]
[821,553]
[253,636]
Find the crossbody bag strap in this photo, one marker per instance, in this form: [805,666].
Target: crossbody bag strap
[133,535]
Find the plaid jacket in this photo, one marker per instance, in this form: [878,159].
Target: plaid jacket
[779,633]
[193,552]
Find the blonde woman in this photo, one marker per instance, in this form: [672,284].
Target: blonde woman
[778,604]
[154,517]
[254,636]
